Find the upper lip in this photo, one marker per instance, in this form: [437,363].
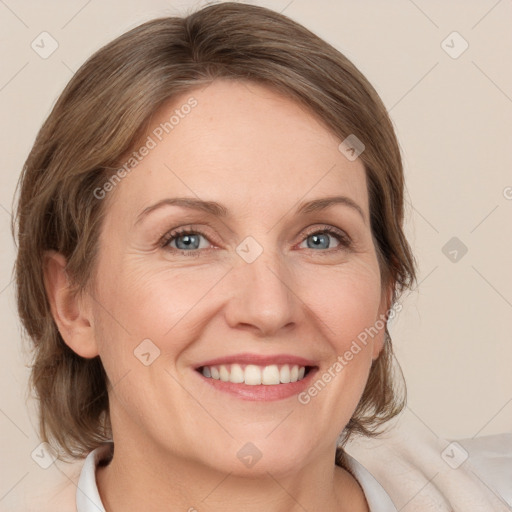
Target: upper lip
[259,360]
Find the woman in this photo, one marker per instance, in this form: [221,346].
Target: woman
[210,245]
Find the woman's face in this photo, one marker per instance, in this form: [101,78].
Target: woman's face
[268,277]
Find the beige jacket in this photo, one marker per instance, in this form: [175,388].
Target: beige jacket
[422,472]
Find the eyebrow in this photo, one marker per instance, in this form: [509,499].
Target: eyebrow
[218,210]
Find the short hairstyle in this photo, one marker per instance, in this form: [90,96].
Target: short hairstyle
[101,115]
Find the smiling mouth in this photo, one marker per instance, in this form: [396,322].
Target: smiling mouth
[254,375]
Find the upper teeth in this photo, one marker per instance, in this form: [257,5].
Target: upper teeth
[254,375]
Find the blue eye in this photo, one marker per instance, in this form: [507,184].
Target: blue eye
[185,240]
[320,239]
[188,241]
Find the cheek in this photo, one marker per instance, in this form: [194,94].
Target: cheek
[346,300]
[346,304]
[163,299]
[153,302]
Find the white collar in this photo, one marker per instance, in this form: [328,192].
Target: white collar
[88,498]
[87,495]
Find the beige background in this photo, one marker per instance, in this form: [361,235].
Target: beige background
[453,117]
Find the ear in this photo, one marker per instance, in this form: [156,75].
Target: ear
[382,316]
[72,313]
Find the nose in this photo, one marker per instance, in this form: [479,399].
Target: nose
[262,299]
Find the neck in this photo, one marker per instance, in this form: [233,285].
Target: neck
[148,479]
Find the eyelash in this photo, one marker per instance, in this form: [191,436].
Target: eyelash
[344,239]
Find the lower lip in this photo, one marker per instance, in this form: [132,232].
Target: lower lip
[261,392]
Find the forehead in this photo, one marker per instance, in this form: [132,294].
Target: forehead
[239,143]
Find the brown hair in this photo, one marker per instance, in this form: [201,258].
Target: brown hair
[99,117]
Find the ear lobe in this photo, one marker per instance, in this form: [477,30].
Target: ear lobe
[69,311]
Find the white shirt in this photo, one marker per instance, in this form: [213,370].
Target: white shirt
[88,498]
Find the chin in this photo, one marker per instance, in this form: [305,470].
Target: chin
[260,457]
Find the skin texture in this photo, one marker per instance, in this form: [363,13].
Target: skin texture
[176,437]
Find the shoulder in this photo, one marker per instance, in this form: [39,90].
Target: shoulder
[423,472]
[61,487]
[64,487]
[376,497]
[50,490]
[491,459]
